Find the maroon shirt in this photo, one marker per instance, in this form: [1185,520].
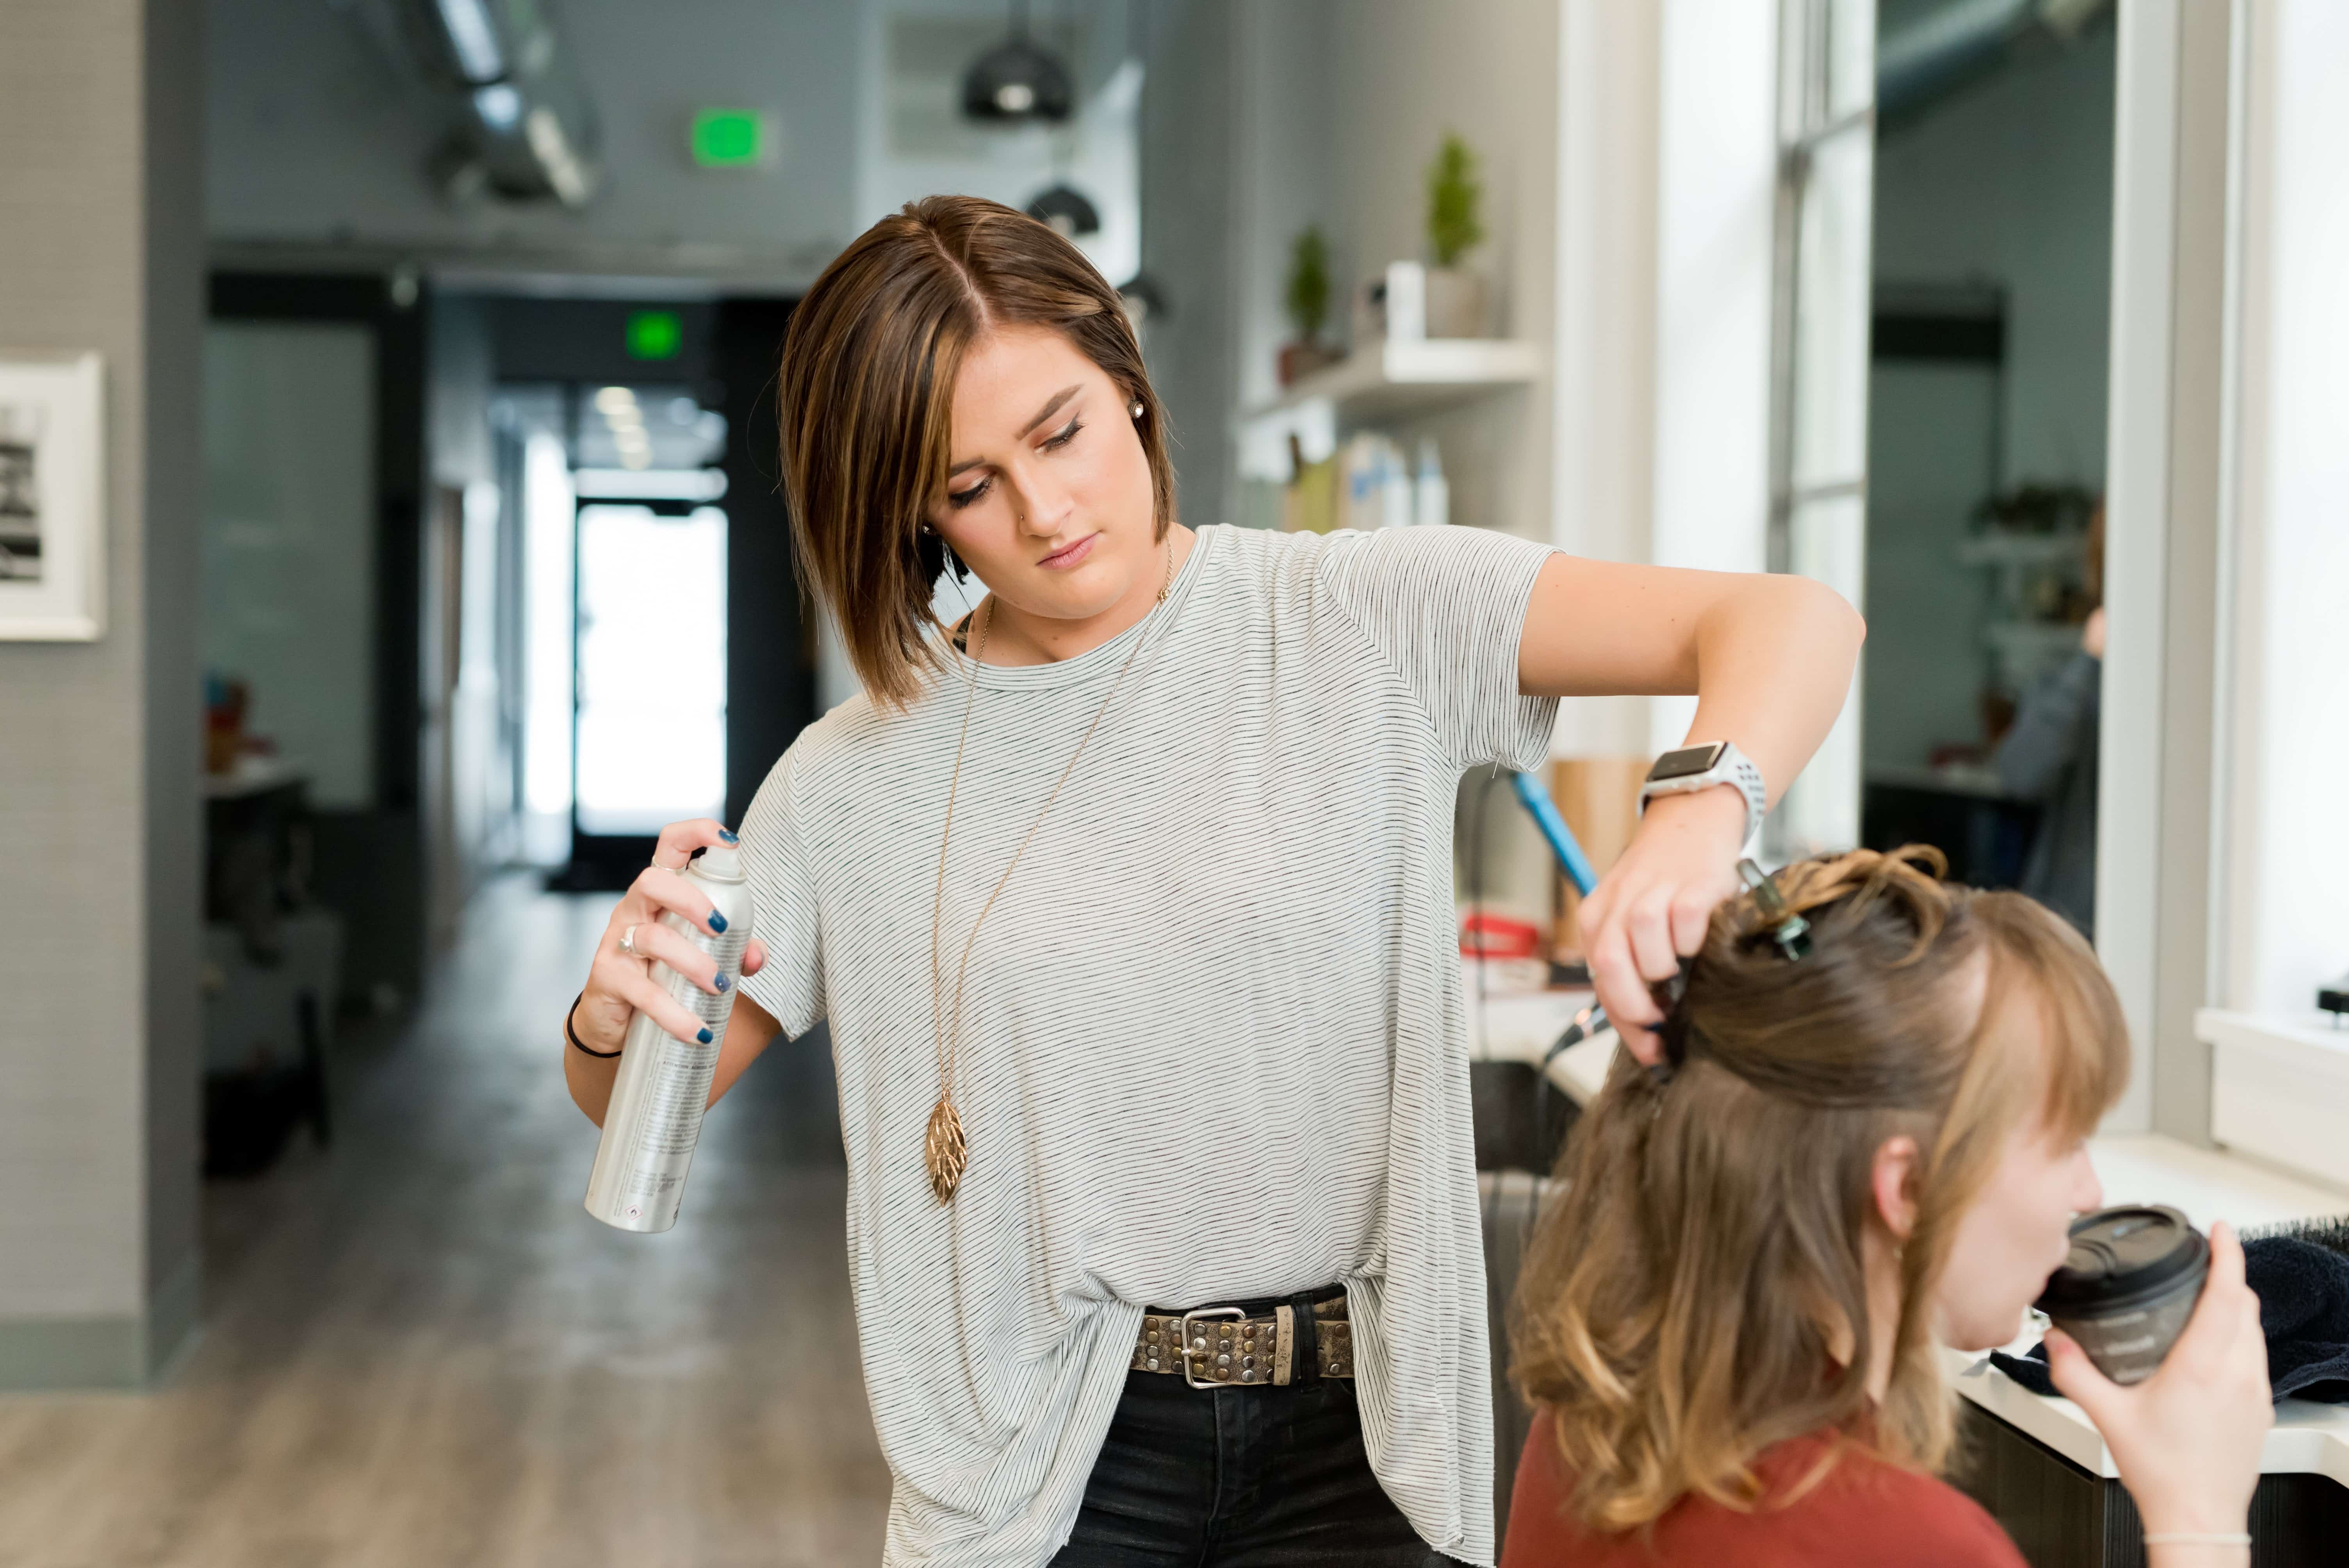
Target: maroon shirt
[1866,1513]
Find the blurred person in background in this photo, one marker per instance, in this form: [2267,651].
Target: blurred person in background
[2050,757]
[1128,898]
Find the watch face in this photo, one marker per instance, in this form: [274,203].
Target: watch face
[1687,762]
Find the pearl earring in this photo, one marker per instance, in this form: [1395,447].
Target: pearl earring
[1137,407]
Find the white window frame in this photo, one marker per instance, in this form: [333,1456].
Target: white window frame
[1818,522]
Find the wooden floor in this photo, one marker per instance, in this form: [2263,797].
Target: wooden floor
[420,1353]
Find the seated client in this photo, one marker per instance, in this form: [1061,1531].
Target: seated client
[1869,1147]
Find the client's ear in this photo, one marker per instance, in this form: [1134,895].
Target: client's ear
[1893,1182]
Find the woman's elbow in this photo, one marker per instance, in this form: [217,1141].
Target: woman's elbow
[1821,612]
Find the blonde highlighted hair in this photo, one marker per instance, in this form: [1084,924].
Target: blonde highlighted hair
[1679,1309]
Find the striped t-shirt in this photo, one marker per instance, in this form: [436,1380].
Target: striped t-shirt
[1212,1039]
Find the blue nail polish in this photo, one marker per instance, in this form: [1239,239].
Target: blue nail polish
[723,982]
[717,923]
[704,1036]
[728,835]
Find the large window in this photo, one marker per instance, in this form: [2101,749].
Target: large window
[1818,467]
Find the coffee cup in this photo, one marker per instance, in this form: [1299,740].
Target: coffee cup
[2128,1286]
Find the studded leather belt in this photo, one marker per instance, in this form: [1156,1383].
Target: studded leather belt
[1217,1347]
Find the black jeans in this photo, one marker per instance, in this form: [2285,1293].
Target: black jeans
[1238,1477]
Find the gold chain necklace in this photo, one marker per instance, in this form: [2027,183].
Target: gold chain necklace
[944,1150]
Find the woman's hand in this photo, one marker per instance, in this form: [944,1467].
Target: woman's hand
[619,984]
[1653,906]
[2187,1439]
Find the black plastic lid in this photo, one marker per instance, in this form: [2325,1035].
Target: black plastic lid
[2121,1256]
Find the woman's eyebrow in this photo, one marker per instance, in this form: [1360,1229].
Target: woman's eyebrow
[1049,410]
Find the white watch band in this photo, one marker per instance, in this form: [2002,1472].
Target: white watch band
[1732,768]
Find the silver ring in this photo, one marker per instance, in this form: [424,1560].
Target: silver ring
[628,943]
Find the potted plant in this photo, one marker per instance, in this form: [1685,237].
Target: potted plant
[1307,302]
[1455,225]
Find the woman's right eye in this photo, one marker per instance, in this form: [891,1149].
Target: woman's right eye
[960,499]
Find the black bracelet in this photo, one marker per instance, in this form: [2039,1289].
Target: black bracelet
[573,1035]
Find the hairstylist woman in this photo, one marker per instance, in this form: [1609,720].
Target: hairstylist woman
[1733,1318]
[1130,907]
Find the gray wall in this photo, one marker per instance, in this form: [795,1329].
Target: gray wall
[100,248]
[2011,182]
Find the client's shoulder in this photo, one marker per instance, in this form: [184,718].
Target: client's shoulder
[1826,1502]
[1832,1499]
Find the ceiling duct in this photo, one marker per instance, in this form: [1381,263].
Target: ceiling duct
[525,128]
[1920,62]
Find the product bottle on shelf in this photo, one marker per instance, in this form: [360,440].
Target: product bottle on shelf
[1433,500]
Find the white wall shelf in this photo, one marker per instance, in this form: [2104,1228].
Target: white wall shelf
[1391,377]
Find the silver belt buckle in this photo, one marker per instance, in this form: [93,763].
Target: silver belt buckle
[1188,1352]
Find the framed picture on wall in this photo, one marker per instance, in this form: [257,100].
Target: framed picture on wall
[52,498]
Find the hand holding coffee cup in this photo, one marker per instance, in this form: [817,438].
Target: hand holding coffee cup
[2186,1435]
[2127,1287]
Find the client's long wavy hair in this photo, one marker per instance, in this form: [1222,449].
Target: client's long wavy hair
[1697,1292]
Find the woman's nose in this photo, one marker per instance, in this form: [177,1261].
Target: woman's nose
[1042,506]
[2087,1192]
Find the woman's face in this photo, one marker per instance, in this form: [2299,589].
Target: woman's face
[2017,1232]
[1048,495]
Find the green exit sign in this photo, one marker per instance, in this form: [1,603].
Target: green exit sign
[654,335]
[732,138]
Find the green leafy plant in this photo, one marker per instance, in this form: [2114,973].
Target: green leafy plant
[1308,284]
[1454,196]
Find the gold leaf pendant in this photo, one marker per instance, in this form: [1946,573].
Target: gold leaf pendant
[944,1150]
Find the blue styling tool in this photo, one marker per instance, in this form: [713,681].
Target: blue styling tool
[1544,810]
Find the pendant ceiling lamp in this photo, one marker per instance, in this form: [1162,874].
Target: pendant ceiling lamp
[1067,209]
[1017,82]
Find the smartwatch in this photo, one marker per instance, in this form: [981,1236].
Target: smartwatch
[1695,768]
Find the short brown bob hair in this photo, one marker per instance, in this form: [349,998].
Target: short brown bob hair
[866,392]
[1677,1313]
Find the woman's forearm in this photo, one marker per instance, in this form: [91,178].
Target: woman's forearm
[589,1079]
[1769,659]
[1769,656]
[1775,662]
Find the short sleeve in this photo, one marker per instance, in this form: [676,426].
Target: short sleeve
[1447,608]
[784,901]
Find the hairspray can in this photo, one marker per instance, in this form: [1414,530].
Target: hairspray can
[655,1116]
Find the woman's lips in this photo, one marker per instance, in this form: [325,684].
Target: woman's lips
[1061,560]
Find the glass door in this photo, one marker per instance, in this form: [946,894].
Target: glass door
[650,722]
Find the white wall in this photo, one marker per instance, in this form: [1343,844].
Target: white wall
[1603,362]
[913,141]
[1717,191]
[2286,866]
